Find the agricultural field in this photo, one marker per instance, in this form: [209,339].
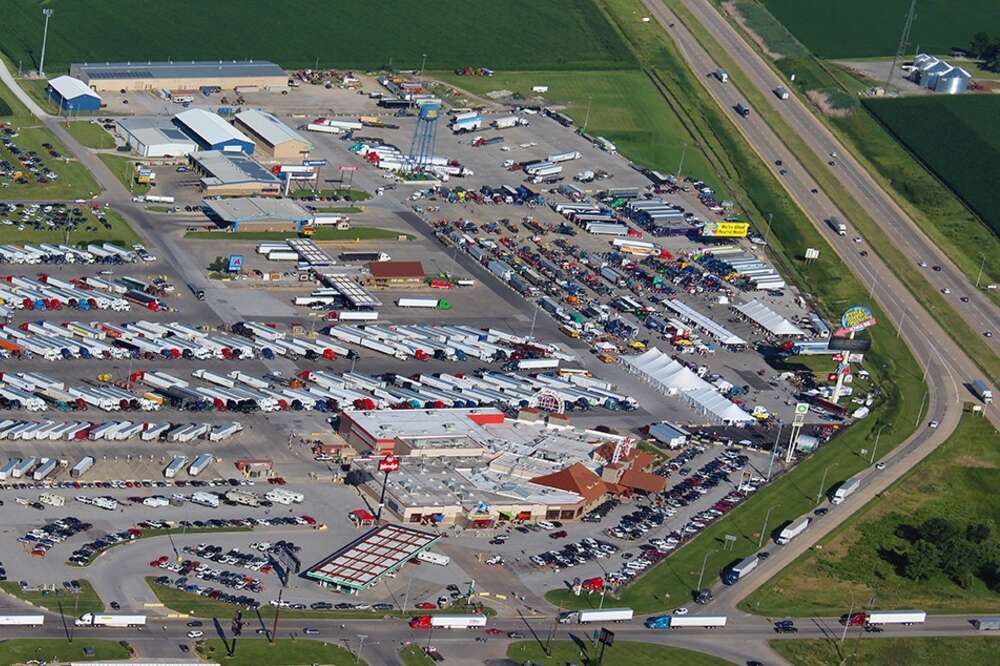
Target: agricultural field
[936,129]
[919,546]
[889,651]
[624,107]
[862,28]
[558,34]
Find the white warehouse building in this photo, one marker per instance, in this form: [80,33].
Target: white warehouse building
[155,137]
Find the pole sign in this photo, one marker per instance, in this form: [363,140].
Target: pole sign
[389,463]
[235,263]
[344,168]
[314,163]
[854,319]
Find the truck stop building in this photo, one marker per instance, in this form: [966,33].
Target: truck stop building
[396,274]
[275,141]
[257,214]
[364,562]
[212,132]
[155,137]
[71,94]
[226,74]
[233,174]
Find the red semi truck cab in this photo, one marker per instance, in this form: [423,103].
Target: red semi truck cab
[420,622]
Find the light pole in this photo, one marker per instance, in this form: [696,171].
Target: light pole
[877,435]
[763,530]
[822,484]
[361,647]
[422,63]
[47,12]
[704,562]
[774,452]
[586,120]
[767,234]
[980,275]
[680,165]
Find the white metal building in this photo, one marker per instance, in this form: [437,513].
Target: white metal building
[155,137]
[212,132]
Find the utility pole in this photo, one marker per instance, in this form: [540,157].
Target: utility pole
[586,120]
[680,165]
[877,435]
[704,562]
[422,64]
[979,276]
[822,484]
[763,530]
[767,235]
[552,631]
[361,647]
[47,12]
[277,609]
[774,452]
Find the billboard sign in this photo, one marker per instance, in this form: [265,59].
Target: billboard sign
[855,318]
[388,464]
[235,264]
[725,229]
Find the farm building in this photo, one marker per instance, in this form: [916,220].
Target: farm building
[396,274]
[155,137]
[258,214]
[939,76]
[275,141]
[71,94]
[212,132]
[233,174]
[228,75]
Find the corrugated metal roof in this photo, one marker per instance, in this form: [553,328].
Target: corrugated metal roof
[195,69]
[268,127]
[68,87]
[232,168]
[209,127]
[257,209]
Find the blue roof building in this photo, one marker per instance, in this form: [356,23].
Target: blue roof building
[71,94]
[212,132]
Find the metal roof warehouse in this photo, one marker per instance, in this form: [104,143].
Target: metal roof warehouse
[258,211]
[72,94]
[212,132]
[155,137]
[180,75]
[276,140]
[362,563]
[233,174]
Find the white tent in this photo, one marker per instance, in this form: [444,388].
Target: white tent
[768,319]
[724,335]
[673,377]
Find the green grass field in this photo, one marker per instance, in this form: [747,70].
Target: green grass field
[90,134]
[24,650]
[937,128]
[671,584]
[321,234]
[74,181]
[283,652]
[559,34]
[340,210]
[622,653]
[414,655]
[625,107]
[776,37]
[86,601]
[860,558]
[860,28]
[91,232]
[342,193]
[124,170]
[860,650]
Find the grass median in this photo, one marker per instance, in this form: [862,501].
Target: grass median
[861,650]
[622,653]
[341,193]
[58,600]
[886,247]
[414,655]
[90,134]
[832,288]
[870,554]
[283,652]
[43,650]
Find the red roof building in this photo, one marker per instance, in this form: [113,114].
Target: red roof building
[396,273]
[577,479]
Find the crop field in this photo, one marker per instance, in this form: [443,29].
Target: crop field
[873,553]
[625,108]
[514,34]
[938,129]
[863,28]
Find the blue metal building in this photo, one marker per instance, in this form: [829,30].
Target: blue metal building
[71,94]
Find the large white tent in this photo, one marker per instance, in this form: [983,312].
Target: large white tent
[768,319]
[674,378]
[720,332]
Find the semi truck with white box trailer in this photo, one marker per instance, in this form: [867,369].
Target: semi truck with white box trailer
[677,621]
[793,530]
[448,622]
[102,620]
[845,490]
[982,391]
[740,570]
[597,615]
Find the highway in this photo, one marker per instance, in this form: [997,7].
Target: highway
[980,312]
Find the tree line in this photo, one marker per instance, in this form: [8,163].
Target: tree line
[963,553]
[986,49]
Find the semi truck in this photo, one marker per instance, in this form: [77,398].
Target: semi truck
[438,303]
[982,391]
[845,490]
[791,531]
[22,620]
[364,256]
[447,621]
[743,109]
[904,617]
[837,226]
[674,621]
[101,620]
[597,615]
[986,623]
[740,570]
[507,122]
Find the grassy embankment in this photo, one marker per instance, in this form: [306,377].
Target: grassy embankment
[832,286]
[42,650]
[861,650]
[283,652]
[880,240]
[865,557]
[123,169]
[622,653]
[90,134]
[72,604]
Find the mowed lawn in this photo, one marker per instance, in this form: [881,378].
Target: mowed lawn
[285,652]
[862,650]
[622,653]
[71,604]
[24,650]
[90,134]
[958,481]
[514,34]
[939,128]
[74,180]
[625,107]
[92,231]
[864,28]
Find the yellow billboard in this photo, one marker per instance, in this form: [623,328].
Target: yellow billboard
[725,229]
